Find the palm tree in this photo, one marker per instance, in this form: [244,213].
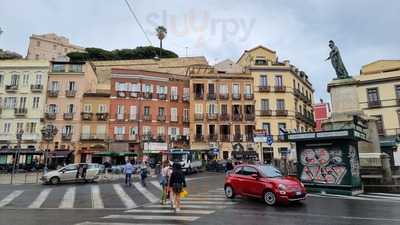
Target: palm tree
[161,33]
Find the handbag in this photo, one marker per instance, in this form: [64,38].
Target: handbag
[184,193]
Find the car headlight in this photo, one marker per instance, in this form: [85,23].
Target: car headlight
[282,187]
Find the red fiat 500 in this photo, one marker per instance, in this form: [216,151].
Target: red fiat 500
[264,181]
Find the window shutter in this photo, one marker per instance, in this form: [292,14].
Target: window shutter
[151,88]
[123,130]
[144,87]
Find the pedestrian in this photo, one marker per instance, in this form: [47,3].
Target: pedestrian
[228,166]
[143,173]
[84,169]
[128,170]
[164,178]
[177,182]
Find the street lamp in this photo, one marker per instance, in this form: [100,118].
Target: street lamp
[48,133]
[20,132]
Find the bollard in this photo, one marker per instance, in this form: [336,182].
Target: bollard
[386,169]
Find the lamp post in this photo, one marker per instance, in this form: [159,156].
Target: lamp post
[48,133]
[17,152]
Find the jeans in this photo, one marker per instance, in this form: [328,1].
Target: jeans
[128,179]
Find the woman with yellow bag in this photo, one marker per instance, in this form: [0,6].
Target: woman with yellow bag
[178,183]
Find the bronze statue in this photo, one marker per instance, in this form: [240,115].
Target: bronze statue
[337,62]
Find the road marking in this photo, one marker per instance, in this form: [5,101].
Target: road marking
[128,202]
[205,198]
[146,193]
[40,199]
[385,194]
[68,199]
[108,223]
[351,197]
[152,217]
[207,202]
[10,197]
[189,206]
[156,184]
[183,211]
[97,202]
[379,197]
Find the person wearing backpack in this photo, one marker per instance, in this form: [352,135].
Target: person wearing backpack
[143,173]
[177,182]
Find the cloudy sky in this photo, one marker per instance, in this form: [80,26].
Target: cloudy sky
[298,30]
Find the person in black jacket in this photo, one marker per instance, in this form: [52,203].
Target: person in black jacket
[177,182]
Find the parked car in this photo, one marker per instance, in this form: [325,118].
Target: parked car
[265,182]
[69,173]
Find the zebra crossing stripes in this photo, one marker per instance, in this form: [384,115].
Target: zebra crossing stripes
[68,199]
[162,211]
[124,197]
[152,217]
[40,199]
[156,184]
[386,197]
[147,194]
[107,223]
[97,201]
[9,198]
[189,206]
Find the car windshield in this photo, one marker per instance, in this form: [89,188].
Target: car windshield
[270,171]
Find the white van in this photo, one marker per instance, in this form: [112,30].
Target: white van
[189,160]
[69,173]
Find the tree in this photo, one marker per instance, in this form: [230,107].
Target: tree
[4,54]
[161,33]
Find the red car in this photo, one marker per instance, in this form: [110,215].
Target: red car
[264,181]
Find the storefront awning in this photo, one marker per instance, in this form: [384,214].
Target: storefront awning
[22,152]
[115,154]
[60,154]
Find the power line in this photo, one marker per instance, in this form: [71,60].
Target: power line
[138,22]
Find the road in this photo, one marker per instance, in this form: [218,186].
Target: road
[115,204]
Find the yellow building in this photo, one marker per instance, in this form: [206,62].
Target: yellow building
[283,99]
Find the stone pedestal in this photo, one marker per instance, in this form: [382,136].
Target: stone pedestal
[345,105]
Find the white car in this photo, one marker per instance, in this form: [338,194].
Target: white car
[69,173]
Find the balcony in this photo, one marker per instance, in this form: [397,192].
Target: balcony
[121,94]
[93,137]
[223,96]
[198,137]
[120,116]
[133,94]
[133,137]
[66,136]
[30,136]
[160,138]
[236,96]
[224,117]
[102,116]
[198,96]
[265,112]
[70,93]
[186,119]
[147,95]
[36,88]
[374,104]
[237,117]
[225,138]
[186,98]
[147,137]
[11,88]
[68,116]
[50,115]
[237,138]
[52,93]
[20,111]
[147,117]
[213,137]
[281,112]
[132,117]
[211,96]
[174,120]
[86,115]
[249,138]
[249,116]
[161,118]
[174,98]
[297,93]
[161,96]
[264,88]
[248,96]
[119,137]
[199,116]
[280,88]
[212,116]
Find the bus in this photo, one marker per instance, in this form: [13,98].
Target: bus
[189,160]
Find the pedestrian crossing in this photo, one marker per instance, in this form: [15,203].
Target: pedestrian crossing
[385,197]
[193,208]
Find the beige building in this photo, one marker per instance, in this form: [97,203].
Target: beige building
[283,99]
[22,100]
[49,47]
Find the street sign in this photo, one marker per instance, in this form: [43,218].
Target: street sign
[269,140]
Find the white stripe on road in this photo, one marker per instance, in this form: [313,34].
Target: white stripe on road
[189,206]
[10,197]
[146,193]
[40,199]
[183,211]
[128,202]
[152,217]
[207,202]
[379,197]
[68,199]
[206,198]
[385,194]
[97,201]
[108,223]
[156,184]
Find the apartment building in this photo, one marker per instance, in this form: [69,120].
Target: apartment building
[22,100]
[49,47]
[94,127]
[222,112]
[283,96]
[149,112]
[67,84]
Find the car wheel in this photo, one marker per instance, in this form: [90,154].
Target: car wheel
[54,180]
[269,198]
[229,193]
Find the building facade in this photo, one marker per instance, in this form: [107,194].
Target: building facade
[148,112]
[22,100]
[222,115]
[49,47]
[321,112]
[283,96]
[67,84]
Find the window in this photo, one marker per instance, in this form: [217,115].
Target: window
[173,131]
[75,68]
[281,128]
[212,108]
[174,114]
[134,87]
[270,171]
[7,127]
[38,79]
[373,94]
[174,91]
[1,80]
[264,104]
[260,62]
[266,127]
[25,79]
[120,109]
[22,102]
[161,111]
[147,88]
[102,108]
[14,80]
[236,89]
[186,114]
[10,102]
[379,124]
[54,86]
[119,130]
[238,170]
[224,109]
[186,92]
[146,130]
[72,86]
[133,112]
[58,67]
[247,89]
[146,111]
[278,81]
[87,108]
[211,89]
[280,104]
[199,129]
[52,108]
[71,108]
[20,126]
[223,89]
[397,89]
[162,90]
[263,80]
[248,171]
[160,131]
[198,108]
[101,129]
[133,131]
[30,128]
[35,102]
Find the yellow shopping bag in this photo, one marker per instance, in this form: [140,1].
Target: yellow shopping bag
[183,193]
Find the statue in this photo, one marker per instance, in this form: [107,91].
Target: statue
[337,62]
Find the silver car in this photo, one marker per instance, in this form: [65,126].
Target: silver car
[87,172]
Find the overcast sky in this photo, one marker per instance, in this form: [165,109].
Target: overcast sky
[298,30]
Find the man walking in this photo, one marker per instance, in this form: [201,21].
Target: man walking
[128,170]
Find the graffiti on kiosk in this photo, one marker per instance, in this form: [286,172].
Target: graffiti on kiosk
[321,166]
[354,163]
